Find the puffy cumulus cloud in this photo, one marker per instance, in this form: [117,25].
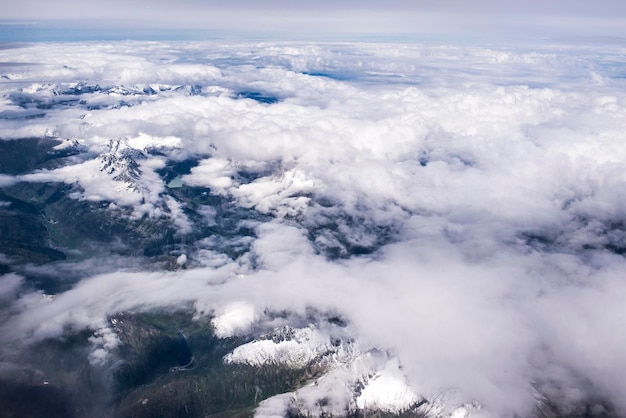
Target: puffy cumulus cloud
[233,319]
[104,341]
[214,172]
[482,186]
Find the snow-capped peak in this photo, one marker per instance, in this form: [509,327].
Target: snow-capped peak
[120,161]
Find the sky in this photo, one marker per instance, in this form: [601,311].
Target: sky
[479,18]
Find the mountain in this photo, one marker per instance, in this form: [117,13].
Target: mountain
[120,161]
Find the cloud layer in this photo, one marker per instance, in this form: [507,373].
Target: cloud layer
[460,207]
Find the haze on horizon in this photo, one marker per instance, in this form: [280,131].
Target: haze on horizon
[483,17]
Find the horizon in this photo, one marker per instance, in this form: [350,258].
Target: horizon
[34,20]
[55,30]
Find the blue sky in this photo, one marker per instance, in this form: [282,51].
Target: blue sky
[480,17]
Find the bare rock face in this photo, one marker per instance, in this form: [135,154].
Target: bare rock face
[120,161]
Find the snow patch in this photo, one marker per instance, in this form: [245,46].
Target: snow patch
[294,348]
[388,390]
[345,388]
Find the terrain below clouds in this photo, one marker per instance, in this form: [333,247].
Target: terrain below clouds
[287,229]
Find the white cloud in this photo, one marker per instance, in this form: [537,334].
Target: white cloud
[214,173]
[234,319]
[9,284]
[104,341]
[6,180]
[487,181]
